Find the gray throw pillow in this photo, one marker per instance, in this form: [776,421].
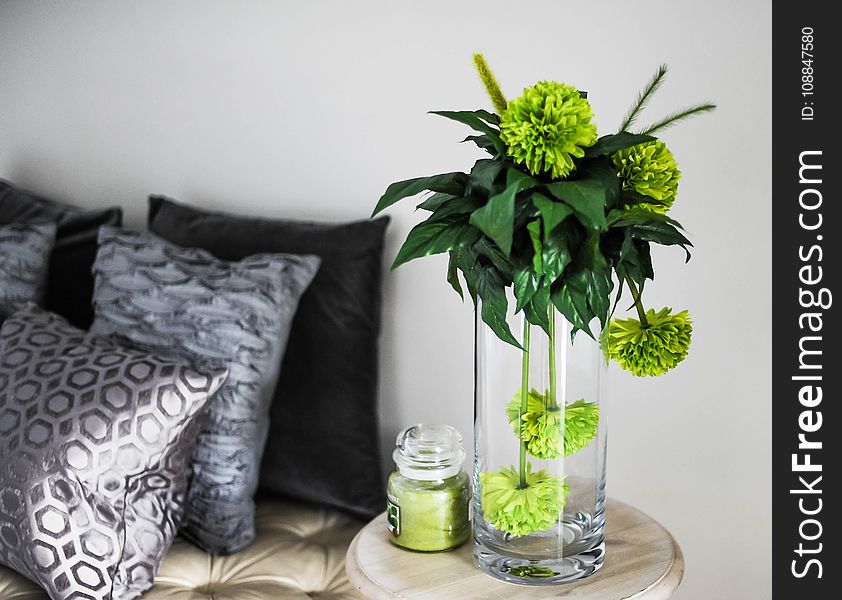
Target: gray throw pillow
[24,258]
[94,444]
[237,314]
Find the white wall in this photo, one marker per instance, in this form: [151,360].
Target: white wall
[309,109]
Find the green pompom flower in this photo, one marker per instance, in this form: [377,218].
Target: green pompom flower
[547,127]
[522,510]
[580,422]
[650,170]
[540,426]
[653,349]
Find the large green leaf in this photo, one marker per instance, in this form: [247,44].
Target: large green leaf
[489,117]
[586,197]
[525,284]
[484,173]
[534,229]
[434,201]
[435,236]
[496,219]
[483,142]
[636,215]
[492,293]
[448,183]
[662,233]
[555,256]
[602,169]
[609,144]
[466,260]
[537,311]
[572,302]
[453,275]
[473,120]
[500,261]
[456,206]
[552,212]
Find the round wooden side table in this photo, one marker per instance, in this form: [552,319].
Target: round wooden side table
[642,561]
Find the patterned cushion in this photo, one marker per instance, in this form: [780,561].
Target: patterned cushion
[24,256]
[94,444]
[331,363]
[187,302]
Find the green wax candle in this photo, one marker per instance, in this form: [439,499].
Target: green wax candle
[428,515]
[428,494]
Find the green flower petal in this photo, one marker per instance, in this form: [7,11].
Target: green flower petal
[540,425]
[547,127]
[522,510]
[650,170]
[651,350]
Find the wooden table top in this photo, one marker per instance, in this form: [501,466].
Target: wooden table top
[642,561]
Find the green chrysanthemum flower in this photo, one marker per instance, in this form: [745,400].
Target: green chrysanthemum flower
[650,170]
[540,425]
[652,350]
[521,510]
[547,127]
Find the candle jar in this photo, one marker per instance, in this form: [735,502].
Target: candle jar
[428,494]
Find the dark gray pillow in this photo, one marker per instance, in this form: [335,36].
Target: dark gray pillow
[94,444]
[187,302]
[24,258]
[70,283]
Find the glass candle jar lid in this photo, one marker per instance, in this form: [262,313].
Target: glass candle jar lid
[429,452]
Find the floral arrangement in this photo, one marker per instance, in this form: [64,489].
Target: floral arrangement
[557,214]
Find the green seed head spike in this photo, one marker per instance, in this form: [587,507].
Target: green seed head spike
[490,83]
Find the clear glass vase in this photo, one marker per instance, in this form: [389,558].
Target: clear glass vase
[539,463]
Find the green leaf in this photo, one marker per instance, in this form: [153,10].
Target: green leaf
[434,201]
[466,260]
[661,233]
[573,304]
[483,142]
[484,173]
[636,215]
[492,291]
[525,284]
[473,120]
[586,197]
[434,237]
[496,219]
[609,144]
[552,213]
[537,311]
[534,228]
[488,117]
[500,261]
[453,276]
[448,183]
[555,257]
[602,169]
[456,206]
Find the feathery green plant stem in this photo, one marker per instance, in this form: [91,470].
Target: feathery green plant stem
[524,401]
[637,303]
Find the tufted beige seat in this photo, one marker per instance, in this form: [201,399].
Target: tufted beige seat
[299,553]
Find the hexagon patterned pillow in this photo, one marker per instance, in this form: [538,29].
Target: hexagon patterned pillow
[94,443]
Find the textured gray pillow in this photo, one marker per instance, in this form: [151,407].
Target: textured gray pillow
[24,257]
[94,444]
[237,314]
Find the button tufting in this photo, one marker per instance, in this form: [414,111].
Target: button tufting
[299,553]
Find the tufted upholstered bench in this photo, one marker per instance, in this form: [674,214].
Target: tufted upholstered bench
[299,554]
